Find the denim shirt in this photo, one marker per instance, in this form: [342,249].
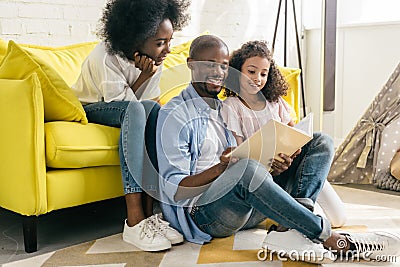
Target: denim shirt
[181,131]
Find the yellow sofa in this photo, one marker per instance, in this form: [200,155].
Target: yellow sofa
[52,158]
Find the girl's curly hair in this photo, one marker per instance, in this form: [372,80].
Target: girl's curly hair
[126,24]
[276,85]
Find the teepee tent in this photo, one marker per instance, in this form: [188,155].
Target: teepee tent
[357,158]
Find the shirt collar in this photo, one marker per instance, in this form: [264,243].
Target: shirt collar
[199,102]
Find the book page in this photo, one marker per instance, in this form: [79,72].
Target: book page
[260,146]
[306,124]
[273,138]
[289,139]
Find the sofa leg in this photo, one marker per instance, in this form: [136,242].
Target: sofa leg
[29,225]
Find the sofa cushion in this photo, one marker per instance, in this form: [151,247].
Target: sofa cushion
[74,145]
[60,103]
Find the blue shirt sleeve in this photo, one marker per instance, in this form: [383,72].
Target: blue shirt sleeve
[173,149]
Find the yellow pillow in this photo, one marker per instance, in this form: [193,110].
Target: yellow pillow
[3,49]
[175,75]
[293,94]
[66,60]
[173,81]
[60,103]
[178,55]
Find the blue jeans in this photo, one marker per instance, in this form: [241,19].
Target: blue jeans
[246,194]
[137,142]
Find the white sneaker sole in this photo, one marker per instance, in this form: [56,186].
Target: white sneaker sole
[176,241]
[145,247]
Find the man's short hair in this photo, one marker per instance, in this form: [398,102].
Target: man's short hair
[204,42]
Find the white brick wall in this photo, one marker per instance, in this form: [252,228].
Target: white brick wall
[62,22]
[49,22]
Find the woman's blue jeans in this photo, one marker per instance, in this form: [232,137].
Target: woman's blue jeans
[137,142]
[246,194]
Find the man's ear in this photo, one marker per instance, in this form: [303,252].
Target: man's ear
[189,63]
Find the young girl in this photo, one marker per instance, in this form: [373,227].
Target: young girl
[118,82]
[254,93]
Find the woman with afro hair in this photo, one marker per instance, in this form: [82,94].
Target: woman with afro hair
[118,87]
[254,91]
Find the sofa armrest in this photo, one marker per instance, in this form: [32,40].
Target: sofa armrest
[22,160]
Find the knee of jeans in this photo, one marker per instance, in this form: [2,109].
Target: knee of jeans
[136,111]
[151,107]
[134,119]
[150,104]
[254,173]
[255,166]
[325,142]
[247,165]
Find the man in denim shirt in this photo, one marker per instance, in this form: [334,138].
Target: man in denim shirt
[205,193]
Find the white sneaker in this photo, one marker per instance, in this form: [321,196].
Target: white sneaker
[144,236]
[382,246]
[295,246]
[163,228]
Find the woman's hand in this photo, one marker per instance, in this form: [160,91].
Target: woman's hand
[145,64]
[148,68]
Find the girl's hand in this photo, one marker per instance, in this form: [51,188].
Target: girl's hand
[145,64]
[296,153]
[279,166]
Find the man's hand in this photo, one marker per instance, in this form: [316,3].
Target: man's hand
[226,157]
[145,64]
[279,166]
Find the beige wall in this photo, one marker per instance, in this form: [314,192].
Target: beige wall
[368,41]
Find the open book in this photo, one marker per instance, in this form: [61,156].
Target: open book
[273,138]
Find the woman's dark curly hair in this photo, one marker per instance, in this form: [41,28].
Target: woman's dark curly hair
[126,24]
[276,85]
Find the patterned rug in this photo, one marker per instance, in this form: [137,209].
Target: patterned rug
[238,250]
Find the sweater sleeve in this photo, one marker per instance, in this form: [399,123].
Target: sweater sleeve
[231,116]
[285,110]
